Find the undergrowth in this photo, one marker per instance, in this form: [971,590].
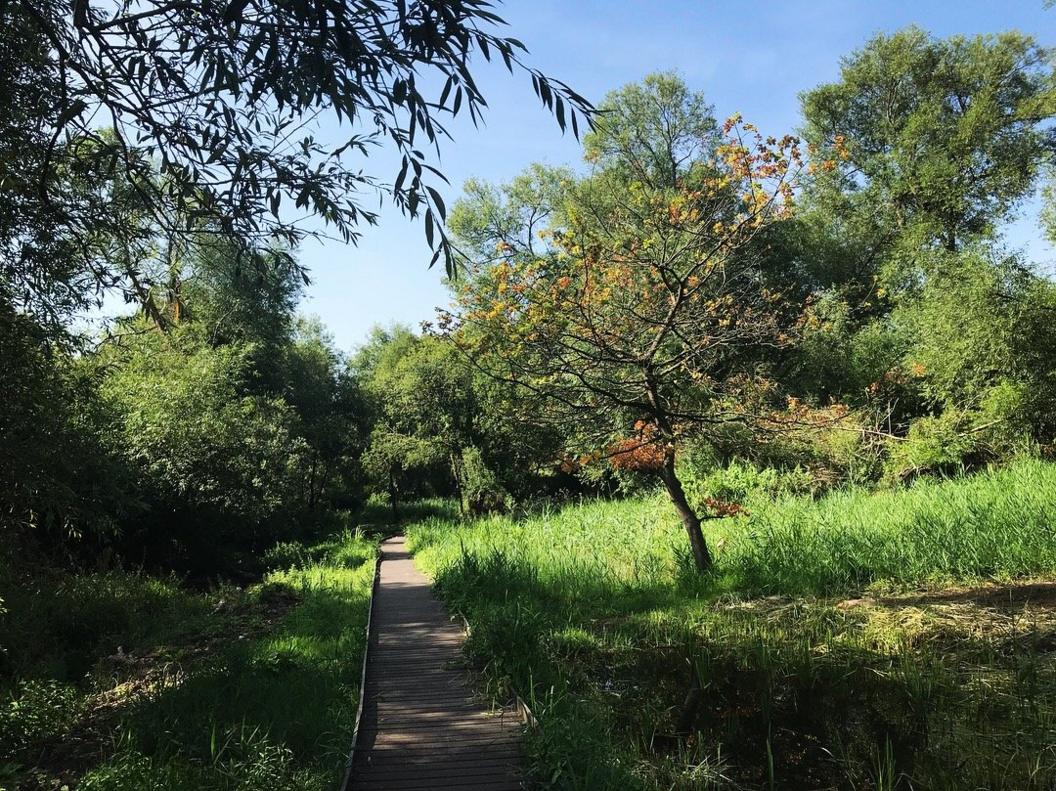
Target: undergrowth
[827,650]
[122,681]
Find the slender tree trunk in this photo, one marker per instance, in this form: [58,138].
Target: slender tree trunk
[689,517]
[311,484]
[456,473]
[392,498]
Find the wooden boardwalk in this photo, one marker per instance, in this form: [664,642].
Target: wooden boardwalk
[421,727]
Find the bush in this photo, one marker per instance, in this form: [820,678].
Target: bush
[37,711]
[61,623]
[742,482]
[481,487]
[216,466]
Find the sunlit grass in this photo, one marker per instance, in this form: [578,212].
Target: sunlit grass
[594,614]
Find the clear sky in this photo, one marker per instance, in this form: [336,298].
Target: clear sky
[754,58]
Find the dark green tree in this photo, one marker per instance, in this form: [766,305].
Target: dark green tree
[938,139]
[212,114]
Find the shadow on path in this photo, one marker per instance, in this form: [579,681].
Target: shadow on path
[421,726]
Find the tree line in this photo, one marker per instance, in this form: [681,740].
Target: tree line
[838,301]
[841,301]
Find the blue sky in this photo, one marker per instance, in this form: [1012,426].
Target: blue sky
[754,58]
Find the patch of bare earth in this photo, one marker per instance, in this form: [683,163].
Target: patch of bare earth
[1032,594]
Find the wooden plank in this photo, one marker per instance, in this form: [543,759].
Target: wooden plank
[421,725]
[453,772]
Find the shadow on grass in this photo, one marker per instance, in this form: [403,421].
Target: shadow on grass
[254,690]
[792,694]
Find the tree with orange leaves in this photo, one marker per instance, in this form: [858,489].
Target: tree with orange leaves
[647,305]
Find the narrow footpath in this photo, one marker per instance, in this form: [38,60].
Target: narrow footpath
[421,727]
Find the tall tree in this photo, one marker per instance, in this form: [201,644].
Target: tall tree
[425,409]
[940,141]
[651,310]
[943,137]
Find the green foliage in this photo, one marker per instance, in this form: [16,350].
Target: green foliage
[839,355]
[235,299]
[331,415]
[343,550]
[421,406]
[438,427]
[945,443]
[936,339]
[216,458]
[188,145]
[188,435]
[480,485]
[59,473]
[983,342]
[994,524]
[653,131]
[59,623]
[178,688]
[650,317]
[584,613]
[742,483]
[247,761]
[516,215]
[1048,210]
[36,712]
[944,137]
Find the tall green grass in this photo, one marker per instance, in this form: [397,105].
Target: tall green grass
[170,688]
[999,524]
[593,614]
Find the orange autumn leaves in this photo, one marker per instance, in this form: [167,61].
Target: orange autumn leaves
[749,183]
[644,451]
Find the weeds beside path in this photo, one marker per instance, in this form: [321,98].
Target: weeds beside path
[918,650]
[124,681]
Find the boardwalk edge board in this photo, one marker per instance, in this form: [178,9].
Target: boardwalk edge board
[346,782]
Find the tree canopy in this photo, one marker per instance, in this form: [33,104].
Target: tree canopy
[944,136]
[205,117]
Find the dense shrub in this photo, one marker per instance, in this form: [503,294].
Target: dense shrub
[481,488]
[742,482]
[34,712]
[215,463]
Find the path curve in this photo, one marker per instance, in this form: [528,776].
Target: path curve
[421,727]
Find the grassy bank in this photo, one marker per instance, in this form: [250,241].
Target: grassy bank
[863,641]
[127,681]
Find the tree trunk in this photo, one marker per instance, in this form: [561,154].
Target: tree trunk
[689,518]
[311,484]
[392,498]
[456,474]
